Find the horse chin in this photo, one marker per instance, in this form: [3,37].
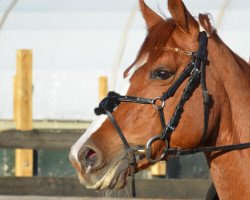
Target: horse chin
[109,177]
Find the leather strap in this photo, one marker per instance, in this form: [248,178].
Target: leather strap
[117,128]
[183,76]
[226,148]
[201,59]
[129,151]
[187,93]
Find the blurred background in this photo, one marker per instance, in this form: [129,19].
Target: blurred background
[73,43]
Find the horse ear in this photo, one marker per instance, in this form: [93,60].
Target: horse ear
[182,17]
[206,24]
[149,15]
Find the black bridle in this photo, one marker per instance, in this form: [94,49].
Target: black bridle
[195,70]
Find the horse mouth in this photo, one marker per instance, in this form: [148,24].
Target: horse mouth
[115,177]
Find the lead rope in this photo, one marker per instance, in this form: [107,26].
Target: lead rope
[132,171]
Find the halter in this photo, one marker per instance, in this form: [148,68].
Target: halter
[195,70]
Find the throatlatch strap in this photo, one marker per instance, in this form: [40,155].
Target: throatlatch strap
[201,59]
[206,101]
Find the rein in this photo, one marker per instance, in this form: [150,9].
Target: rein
[195,70]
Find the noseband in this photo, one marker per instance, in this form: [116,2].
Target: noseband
[195,70]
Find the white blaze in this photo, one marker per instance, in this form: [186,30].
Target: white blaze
[94,126]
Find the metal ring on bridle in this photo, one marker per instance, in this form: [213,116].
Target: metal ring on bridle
[162,103]
[148,151]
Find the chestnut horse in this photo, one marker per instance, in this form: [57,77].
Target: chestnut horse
[185,119]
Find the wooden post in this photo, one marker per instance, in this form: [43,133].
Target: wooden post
[103,87]
[15,98]
[23,109]
[159,169]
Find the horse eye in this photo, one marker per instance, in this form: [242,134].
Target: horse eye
[162,74]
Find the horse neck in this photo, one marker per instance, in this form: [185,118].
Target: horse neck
[230,171]
[233,76]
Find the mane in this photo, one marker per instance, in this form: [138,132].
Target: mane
[157,37]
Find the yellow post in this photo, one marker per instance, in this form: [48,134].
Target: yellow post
[15,98]
[23,109]
[103,87]
[159,169]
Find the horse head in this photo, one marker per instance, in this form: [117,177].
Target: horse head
[144,109]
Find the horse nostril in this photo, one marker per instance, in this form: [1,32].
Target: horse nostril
[88,158]
[90,155]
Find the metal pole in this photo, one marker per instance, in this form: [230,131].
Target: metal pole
[7,12]
[122,45]
[221,14]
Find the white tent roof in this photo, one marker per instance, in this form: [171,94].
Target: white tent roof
[75,41]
